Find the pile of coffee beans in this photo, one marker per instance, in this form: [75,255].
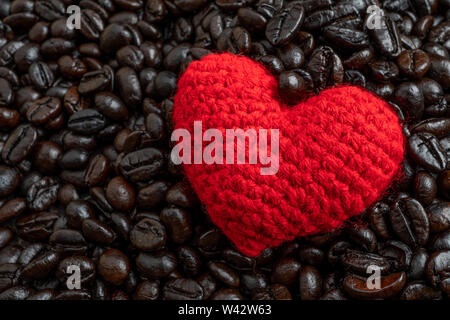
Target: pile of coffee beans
[86,181]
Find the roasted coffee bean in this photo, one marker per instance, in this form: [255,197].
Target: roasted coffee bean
[418,262]
[41,266]
[12,208]
[425,187]
[42,194]
[141,164]
[386,38]
[68,242]
[235,40]
[285,24]
[148,234]
[178,224]
[44,110]
[9,180]
[113,266]
[182,289]
[310,283]
[413,63]
[120,194]
[410,98]
[419,291]
[224,274]
[358,261]
[9,118]
[425,149]
[364,237]
[74,159]
[19,144]
[286,271]
[158,264]
[16,293]
[36,226]
[410,222]
[6,236]
[356,286]
[87,121]
[439,216]
[325,68]
[94,81]
[97,232]
[129,86]
[437,267]
[147,290]
[153,195]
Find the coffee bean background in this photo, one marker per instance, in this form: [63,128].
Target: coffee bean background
[85,173]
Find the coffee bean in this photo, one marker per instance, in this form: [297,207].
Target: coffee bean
[86,121]
[178,224]
[325,68]
[439,216]
[42,194]
[12,208]
[148,235]
[285,24]
[36,226]
[182,289]
[158,264]
[120,194]
[19,144]
[410,222]
[425,149]
[310,283]
[113,266]
[41,266]
[356,286]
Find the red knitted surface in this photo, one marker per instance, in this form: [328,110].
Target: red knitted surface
[339,152]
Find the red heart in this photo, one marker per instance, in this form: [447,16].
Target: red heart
[339,151]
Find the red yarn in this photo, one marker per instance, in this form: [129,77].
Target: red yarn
[339,152]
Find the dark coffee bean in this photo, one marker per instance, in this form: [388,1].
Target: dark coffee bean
[9,180]
[16,293]
[141,164]
[41,75]
[86,121]
[42,194]
[120,194]
[50,9]
[147,290]
[56,47]
[71,68]
[19,144]
[272,63]
[384,70]
[9,118]
[410,222]
[440,241]
[91,24]
[190,261]
[152,195]
[418,262]
[97,170]
[413,63]
[364,237]
[158,264]
[94,81]
[439,70]
[68,242]
[148,235]
[439,216]
[419,291]
[71,140]
[235,40]
[310,283]
[311,255]
[410,98]
[178,224]
[41,266]
[77,211]
[292,87]
[437,267]
[358,261]
[12,208]
[6,236]
[286,271]
[97,232]
[425,188]
[36,226]
[74,102]
[74,159]
[325,68]
[350,39]
[386,38]
[356,286]
[129,86]
[285,24]
[224,274]
[115,36]
[43,110]
[425,149]
[182,289]
[114,266]
[250,19]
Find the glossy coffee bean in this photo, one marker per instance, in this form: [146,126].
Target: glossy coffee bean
[120,194]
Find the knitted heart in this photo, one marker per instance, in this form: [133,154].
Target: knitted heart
[338,152]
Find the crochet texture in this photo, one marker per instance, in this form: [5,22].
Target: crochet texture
[339,151]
